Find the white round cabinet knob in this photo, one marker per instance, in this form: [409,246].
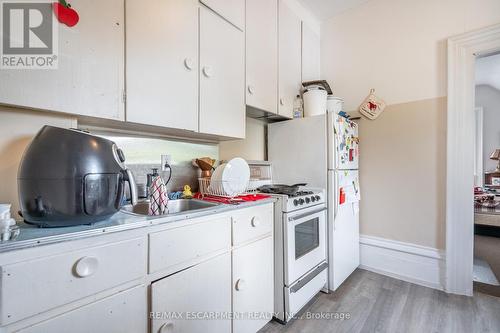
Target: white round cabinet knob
[166,328]
[86,266]
[189,63]
[240,285]
[207,71]
[282,101]
[251,89]
[255,222]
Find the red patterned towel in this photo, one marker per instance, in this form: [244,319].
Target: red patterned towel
[158,197]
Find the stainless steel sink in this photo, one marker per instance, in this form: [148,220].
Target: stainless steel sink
[174,206]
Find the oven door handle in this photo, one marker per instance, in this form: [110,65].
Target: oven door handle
[301,216]
[306,279]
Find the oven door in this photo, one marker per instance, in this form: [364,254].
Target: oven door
[305,242]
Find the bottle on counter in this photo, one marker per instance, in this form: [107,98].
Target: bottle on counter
[298,107]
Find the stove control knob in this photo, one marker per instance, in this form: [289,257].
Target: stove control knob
[295,202]
[313,198]
[318,198]
[301,201]
[308,200]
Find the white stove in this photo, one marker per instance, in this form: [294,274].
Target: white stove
[300,248]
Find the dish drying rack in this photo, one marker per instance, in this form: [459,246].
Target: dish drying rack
[216,188]
[260,174]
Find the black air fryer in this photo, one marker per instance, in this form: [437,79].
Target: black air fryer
[68,177]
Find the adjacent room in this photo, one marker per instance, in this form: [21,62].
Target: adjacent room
[487,175]
[241,166]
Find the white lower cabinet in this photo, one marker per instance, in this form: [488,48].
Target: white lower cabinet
[253,286]
[58,280]
[191,300]
[209,274]
[122,312]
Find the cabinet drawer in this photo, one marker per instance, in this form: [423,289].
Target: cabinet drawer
[231,10]
[178,248]
[252,223]
[35,286]
[123,312]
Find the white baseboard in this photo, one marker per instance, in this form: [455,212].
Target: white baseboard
[413,263]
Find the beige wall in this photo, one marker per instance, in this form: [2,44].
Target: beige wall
[398,47]
[403,170]
[253,147]
[17,128]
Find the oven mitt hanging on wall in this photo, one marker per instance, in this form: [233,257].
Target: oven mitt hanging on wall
[372,106]
[158,197]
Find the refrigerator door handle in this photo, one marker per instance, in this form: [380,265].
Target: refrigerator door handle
[335,197]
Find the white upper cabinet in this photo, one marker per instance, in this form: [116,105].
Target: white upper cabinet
[262,54]
[231,10]
[162,63]
[289,59]
[89,78]
[222,77]
[310,54]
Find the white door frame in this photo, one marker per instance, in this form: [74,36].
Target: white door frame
[462,51]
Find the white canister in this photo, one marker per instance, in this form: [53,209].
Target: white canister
[334,104]
[314,102]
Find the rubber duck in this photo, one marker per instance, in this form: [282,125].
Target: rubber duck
[187,194]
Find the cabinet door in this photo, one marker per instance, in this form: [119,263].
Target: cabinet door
[231,10]
[253,283]
[310,54]
[183,302]
[89,78]
[162,63]
[222,77]
[289,59]
[262,54]
[123,312]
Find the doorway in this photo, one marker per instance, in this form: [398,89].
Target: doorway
[462,53]
[486,269]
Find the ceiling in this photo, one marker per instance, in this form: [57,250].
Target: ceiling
[325,9]
[488,71]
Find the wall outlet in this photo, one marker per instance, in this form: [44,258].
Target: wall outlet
[165,159]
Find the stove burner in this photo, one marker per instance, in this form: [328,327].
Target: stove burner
[281,189]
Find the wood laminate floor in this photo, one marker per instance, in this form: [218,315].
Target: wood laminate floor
[376,303]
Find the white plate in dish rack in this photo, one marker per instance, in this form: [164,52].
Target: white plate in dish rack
[233,176]
[217,174]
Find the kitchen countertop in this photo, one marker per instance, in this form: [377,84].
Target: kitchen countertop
[31,236]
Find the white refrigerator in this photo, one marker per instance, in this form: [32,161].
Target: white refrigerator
[323,151]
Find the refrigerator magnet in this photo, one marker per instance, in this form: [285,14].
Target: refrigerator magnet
[342,196]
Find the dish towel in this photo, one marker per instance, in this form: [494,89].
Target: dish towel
[158,198]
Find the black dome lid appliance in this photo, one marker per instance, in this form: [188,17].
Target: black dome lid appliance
[68,177]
